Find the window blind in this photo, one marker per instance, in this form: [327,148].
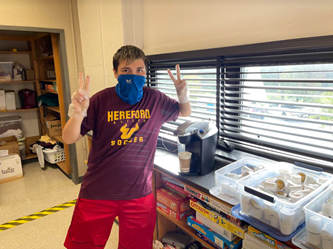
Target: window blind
[282,101]
[202,79]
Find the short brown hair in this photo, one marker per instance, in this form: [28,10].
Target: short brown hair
[128,53]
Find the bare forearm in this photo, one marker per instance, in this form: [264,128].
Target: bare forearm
[71,131]
[185,109]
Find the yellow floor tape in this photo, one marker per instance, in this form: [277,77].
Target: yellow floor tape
[36,216]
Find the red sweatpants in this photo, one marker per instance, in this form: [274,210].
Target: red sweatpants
[92,222]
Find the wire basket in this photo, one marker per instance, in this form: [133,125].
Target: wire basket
[54,156]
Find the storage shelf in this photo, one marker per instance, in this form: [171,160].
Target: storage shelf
[52,80]
[21,110]
[183,225]
[45,58]
[62,165]
[59,138]
[54,108]
[10,82]
[18,52]
[30,156]
[45,91]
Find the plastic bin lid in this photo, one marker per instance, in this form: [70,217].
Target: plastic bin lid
[10,119]
[299,240]
[224,197]
[236,211]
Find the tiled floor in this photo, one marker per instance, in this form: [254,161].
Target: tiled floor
[38,190]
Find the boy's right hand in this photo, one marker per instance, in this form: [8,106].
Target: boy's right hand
[80,99]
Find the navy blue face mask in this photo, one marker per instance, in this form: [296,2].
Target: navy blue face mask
[130,88]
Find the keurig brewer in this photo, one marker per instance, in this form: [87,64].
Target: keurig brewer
[200,139]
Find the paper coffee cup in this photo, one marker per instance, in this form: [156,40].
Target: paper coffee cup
[184,161]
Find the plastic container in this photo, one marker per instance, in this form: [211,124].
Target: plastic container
[6,71]
[21,143]
[318,222]
[11,126]
[54,156]
[271,231]
[226,188]
[280,212]
[299,240]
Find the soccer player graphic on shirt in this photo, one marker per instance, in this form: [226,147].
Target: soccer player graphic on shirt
[125,121]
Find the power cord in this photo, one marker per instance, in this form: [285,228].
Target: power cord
[165,148]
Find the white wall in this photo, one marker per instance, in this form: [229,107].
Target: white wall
[101,36]
[184,25]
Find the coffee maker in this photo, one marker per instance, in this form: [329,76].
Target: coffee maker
[200,139]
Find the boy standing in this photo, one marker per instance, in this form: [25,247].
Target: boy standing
[125,121]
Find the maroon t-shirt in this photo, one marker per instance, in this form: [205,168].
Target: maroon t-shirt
[121,159]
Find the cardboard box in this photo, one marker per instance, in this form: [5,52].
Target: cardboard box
[53,126]
[225,233]
[211,235]
[251,242]
[203,237]
[266,239]
[2,100]
[174,187]
[30,74]
[172,200]
[218,219]
[9,145]
[10,168]
[169,179]
[173,214]
[218,205]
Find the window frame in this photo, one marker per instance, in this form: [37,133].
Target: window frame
[312,45]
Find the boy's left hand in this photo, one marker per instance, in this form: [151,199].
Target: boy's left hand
[181,86]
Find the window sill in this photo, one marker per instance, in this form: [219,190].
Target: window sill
[169,143]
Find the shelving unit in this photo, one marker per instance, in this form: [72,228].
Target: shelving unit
[45,58]
[49,80]
[27,56]
[51,62]
[20,110]
[15,82]
[165,223]
[183,225]
[18,52]
[45,91]
[54,108]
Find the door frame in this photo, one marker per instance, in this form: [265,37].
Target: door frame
[66,87]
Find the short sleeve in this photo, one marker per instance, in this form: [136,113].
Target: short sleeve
[169,108]
[88,122]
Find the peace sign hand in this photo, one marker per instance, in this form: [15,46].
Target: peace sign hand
[80,99]
[181,86]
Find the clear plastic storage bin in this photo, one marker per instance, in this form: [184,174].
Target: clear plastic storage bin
[318,220]
[6,71]
[281,208]
[226,188]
